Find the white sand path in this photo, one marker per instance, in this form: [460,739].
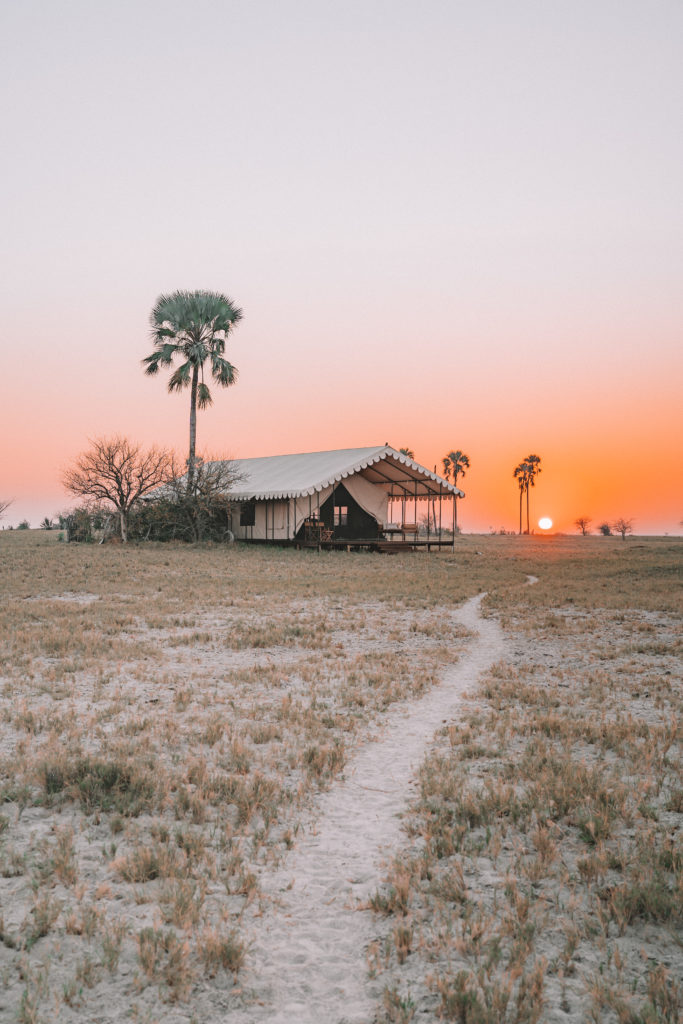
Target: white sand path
[307,961]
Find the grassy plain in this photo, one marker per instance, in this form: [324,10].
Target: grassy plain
[167,711]
[543,879]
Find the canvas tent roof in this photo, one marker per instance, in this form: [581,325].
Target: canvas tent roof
[296,476]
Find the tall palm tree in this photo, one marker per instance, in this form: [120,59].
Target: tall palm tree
[194,326]
[525,474]
[521,475]
[454,465]
[533,463]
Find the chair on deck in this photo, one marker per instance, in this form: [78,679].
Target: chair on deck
[316,531]
[392,530]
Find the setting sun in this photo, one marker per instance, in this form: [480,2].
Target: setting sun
[545,523]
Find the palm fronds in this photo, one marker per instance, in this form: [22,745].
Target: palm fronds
[194,326]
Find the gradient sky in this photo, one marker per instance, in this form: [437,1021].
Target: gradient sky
[450,225]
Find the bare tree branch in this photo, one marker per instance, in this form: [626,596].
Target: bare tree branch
[117,472]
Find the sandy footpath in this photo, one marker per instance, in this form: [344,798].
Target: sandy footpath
[307,957]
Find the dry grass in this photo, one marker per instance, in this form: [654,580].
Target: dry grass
[166,712]
[543,879]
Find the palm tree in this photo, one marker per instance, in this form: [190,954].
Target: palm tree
[454,465]
[525,474]
[408,452]
[195,327]
[520,474]
[533,463]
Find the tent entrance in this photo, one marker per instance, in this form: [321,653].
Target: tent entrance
[346,518]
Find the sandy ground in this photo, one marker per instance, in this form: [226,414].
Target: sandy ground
[311,939]
[308,953]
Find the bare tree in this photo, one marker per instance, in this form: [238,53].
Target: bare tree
[117,472]
[623,526]
[4,505]
[583,524]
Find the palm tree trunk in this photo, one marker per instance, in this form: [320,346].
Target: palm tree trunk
[193,429]
[527,507]
[521,492]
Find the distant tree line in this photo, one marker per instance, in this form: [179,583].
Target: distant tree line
[621,526]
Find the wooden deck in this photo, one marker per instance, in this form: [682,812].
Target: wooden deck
[386,547]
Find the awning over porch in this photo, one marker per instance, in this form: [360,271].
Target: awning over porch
[310,473]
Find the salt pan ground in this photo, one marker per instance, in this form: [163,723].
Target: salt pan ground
[258,785]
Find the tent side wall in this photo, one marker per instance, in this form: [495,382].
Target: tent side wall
[270,520]
[276,519]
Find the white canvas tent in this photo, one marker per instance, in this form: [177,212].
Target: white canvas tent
[279,492]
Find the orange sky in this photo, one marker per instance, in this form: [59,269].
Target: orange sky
[606,452]
[458,227]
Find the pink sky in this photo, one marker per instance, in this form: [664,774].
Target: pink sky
[453,227]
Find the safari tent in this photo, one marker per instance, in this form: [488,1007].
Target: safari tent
[351,497]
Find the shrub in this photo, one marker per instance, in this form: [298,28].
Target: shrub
[101,785]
